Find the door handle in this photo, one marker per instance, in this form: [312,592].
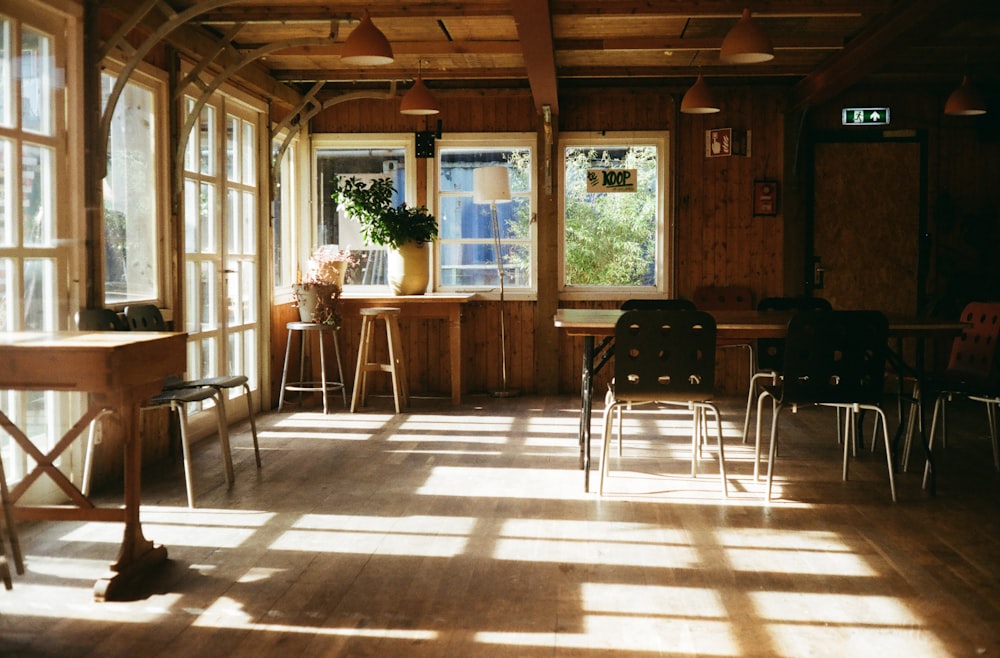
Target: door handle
[818,272]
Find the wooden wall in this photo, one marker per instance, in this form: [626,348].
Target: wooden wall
[717,238]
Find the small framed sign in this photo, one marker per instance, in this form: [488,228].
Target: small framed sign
[765,198]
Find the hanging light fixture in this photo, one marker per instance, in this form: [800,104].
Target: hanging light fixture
[746,43]
[366,45]
[966,101]
[419,100]
[699,99]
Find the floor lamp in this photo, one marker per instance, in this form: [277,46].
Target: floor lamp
[492,185]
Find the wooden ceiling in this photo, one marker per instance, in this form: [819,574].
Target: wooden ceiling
[822,46]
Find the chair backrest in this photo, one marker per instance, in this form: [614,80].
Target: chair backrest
[664,304]
[664,355]
[99,319]
[771,351]
[145,317]
[723,298]
[973,357]
[835,356]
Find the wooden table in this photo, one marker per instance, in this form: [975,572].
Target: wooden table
[730,325]
[120,371]
[432,306]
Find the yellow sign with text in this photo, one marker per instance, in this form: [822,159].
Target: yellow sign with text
[611,180]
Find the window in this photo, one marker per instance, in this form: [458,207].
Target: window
[132,199]
[365,158]
[614,230]
[284,204]
[467,246]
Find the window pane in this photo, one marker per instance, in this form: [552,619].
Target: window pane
[206,219]
[249,154]
[6,75]
[130,199]
[468,238]
[232,148]
[7,305]
[623,224]
[283,207]
[206,140]
[36,183]
[191,149]
[334,226]
[249,224]
[39,302]
[233,224]
[36,82]
[6,193]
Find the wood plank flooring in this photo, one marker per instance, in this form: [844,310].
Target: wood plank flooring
[464,531]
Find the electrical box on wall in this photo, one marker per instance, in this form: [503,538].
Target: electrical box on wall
[425,143]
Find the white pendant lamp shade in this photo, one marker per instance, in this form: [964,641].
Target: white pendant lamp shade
[419,100]
[746,43]
[699,99]
[490,185]
[366,45]
[966,101]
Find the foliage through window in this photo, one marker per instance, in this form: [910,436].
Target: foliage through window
[612,238]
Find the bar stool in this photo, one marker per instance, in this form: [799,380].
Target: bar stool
[324,386]
[395,366]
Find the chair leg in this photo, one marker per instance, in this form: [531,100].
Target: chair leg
[606,444]
[722,453]
[760,415]
[186,451]
[7,524]
[772,452]
[939,405]
[888,449]
[227,453]
[253,423]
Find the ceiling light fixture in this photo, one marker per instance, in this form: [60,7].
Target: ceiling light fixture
[366,45]
[746,43]
[419,100]
[699,99]
[966,101]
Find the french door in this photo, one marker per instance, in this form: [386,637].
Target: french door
[221,206]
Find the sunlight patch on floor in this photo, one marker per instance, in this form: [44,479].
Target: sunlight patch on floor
[412,535]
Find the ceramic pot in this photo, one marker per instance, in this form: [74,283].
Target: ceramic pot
[409,269]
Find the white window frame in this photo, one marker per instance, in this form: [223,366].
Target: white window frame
[526,141]
[664,223]
[309,237]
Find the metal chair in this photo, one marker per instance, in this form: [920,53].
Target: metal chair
[770,352]
[668,357]
[727,298]
[972,373]
[834,359]
[100,319]
[147,317]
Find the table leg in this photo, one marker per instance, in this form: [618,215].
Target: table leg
[137,554]
[586,401]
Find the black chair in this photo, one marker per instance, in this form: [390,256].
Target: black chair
[646,304]
[100,319]
[973,372]
[668,357]
[835,359]
[770,352]
[147,317]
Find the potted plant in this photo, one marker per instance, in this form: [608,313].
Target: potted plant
[406,230]
[317,294]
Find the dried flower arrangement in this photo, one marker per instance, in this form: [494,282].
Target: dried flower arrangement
[317,294]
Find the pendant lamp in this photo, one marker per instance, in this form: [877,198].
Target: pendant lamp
[746,43]
[419,100]
[966,101]
[699,99]
[366,45]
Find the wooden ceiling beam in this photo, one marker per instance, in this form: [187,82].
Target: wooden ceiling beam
[720,8]
[870,50]
[534,29]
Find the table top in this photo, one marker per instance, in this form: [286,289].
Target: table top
[98,361]
[388,299]
[745,324]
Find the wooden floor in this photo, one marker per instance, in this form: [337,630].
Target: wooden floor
[465,532]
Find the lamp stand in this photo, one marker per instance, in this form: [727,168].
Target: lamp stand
[504,392]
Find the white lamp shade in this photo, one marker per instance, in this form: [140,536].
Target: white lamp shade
[699,99]
[490,185]
[366,45]
[419,100]
[746,43]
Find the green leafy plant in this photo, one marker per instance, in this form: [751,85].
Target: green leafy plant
[381,222]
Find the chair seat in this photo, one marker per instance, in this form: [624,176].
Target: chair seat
[182,395]
[224,381]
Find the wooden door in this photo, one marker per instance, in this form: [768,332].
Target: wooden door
[868,216]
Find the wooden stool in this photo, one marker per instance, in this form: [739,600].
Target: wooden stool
[395,366]
[324,386]
[7,523]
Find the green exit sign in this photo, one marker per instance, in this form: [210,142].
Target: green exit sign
[865,116]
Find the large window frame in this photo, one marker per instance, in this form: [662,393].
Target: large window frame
[310,239]
[525,195]
[662,283]
[151,229]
